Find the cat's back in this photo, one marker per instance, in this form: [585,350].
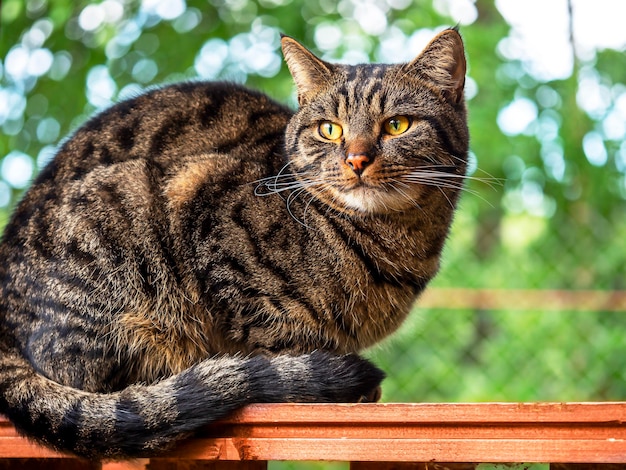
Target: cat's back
[172,122]
[137,145]
[107,194]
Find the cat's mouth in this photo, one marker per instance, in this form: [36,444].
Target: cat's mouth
[358,195]
[360,184]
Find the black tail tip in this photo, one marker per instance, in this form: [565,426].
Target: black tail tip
[348,378]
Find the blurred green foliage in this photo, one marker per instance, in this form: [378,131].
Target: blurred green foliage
[555,218]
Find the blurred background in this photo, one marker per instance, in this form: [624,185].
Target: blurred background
[530,303]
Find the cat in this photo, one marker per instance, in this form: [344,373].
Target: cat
[200,247]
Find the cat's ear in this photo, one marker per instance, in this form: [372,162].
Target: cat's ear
[443,62]
[310,73]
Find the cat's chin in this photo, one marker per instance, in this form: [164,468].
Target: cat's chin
[370,200]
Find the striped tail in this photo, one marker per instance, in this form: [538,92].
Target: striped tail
[142,420]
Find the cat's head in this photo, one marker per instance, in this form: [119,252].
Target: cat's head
[377,139]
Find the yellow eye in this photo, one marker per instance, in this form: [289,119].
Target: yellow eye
[330,130]
[397,125]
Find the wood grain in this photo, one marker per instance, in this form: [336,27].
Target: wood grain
[457,433]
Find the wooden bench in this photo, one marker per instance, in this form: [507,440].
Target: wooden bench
[379,436]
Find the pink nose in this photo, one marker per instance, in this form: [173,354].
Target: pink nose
[357,162]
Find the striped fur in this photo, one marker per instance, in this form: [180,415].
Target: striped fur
[201,247]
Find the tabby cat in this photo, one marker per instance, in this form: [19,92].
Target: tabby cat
[201,247]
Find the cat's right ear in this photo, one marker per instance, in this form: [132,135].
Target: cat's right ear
[443,62]
[310,73]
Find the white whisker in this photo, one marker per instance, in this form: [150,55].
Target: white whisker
[281,182]
[431,175]
[290,199]
[403,193]
[440,188]
[290,187]
[431,170]
[446,184]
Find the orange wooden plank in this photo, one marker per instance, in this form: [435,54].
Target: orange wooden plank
[183,464]
[525,299]
[137,464]
[613,413]
[476,432]
[407,450]
[425,432]
[20,447]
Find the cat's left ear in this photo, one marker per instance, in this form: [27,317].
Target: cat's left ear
[310,73]
[443,62]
